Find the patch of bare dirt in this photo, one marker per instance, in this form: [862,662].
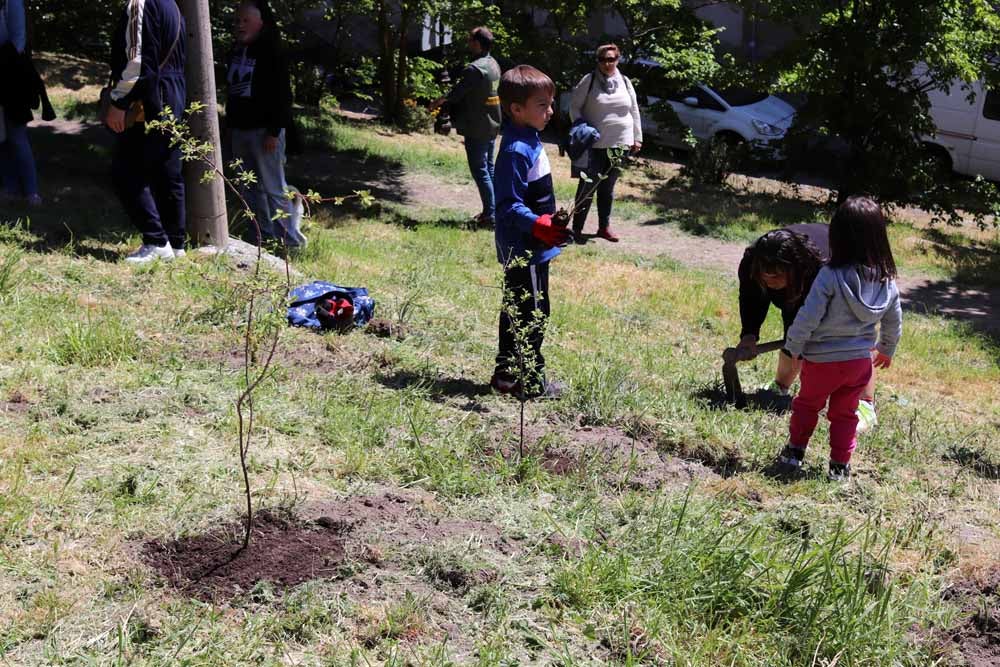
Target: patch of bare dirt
[319,543]
[616,457]
[977,638]
[16,402]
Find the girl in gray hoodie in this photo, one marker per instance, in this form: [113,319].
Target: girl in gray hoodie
[835,332]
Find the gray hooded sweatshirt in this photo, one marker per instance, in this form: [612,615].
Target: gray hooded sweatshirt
[837,321]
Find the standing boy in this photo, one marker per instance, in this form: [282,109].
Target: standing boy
[475,111]
[526,238]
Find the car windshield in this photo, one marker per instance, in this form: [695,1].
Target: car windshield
[741,97]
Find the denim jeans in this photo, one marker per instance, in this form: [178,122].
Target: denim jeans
[17,163]
[480,156]
[267,195]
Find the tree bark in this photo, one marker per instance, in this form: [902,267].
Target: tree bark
[206,202]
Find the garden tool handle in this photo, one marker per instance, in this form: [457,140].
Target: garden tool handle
[729,354]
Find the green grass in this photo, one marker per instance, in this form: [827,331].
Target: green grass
[117,426]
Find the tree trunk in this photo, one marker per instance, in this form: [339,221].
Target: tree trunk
[206,202]
[387,58]
[402,62]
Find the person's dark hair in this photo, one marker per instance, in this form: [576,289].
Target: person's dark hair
[858,237]
[785,251]
[484,36]
[521,82]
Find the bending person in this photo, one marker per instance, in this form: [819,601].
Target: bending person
[778,269]
[606,100]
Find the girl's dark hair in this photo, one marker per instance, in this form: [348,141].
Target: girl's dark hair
[858,237]
[785,251]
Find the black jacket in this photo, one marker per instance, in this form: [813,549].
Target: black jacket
[756,300]
[154,72]
[259,94]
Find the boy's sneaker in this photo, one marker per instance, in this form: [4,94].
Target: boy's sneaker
[839,472]
[867,419]
[148,253]
[503,385]
[791,458]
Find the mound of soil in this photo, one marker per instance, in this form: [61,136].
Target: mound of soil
[314,545]
[977,639]
[212,566]
[618,459]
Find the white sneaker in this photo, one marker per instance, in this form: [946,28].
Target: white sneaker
[148,253]
[867,419]
[179,252]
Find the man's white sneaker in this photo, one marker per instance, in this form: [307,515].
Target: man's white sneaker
[179,252]
[867,419]
[148,253]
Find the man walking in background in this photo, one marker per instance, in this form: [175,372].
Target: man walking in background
[259,113]
[475,112]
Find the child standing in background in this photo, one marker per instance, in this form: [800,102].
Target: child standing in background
[526,238]
[834,332]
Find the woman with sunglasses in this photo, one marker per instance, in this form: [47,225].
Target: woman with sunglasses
[779,269]
[606,100]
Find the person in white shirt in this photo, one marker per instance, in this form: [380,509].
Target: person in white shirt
[606,100]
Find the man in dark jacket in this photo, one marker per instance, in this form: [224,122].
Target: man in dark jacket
[258,113]
[147,66]
[475,112]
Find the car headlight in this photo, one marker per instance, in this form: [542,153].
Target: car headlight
[767,129]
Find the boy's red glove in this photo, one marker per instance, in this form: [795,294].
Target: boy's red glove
[548,233]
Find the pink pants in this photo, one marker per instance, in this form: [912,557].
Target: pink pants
[842,383]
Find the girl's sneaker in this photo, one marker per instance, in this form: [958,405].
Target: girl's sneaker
[791,458]
[867,419]
[839,472]
[776,389]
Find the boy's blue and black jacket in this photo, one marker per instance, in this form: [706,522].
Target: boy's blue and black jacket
[522,183]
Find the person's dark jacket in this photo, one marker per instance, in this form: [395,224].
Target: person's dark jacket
[259,93]
[756,300]
[474,101]
[148,53]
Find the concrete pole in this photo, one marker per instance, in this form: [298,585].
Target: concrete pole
[207,222]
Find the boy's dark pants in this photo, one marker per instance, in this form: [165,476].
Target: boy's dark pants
[146,171]
[529,287]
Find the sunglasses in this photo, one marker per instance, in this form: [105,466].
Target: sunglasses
[607,60]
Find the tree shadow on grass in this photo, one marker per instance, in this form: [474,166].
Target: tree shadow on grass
[81,210]
[439,388]
[711,211]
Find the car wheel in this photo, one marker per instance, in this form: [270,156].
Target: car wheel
[941,165]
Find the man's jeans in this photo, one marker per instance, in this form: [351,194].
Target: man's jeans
[480,155]
[267,195]
[17,162]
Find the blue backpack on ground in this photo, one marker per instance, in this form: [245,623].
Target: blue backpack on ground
[303,300]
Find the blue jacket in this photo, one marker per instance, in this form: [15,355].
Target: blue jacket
[837,321]
[522,183]
[581,137]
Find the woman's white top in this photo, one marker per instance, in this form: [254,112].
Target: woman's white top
[610,106]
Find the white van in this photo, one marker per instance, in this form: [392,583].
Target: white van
[968,135]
